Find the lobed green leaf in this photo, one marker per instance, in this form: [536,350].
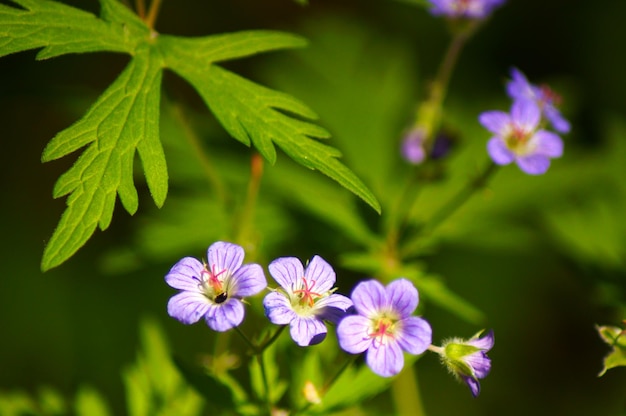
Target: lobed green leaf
[124,119]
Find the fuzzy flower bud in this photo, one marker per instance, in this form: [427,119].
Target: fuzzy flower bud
[468,360]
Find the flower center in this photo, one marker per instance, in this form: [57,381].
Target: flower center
[306,295]
[213,285]
[383,329]
[517,139]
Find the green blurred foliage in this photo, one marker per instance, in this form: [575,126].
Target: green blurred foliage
[539,259]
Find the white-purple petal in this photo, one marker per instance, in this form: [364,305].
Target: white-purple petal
[185,275]
[333,308]
[352,333]
[526,114]
[485,342]
[225,316]
[473,384]
[278,309]
[559,123]
[385,360]
[403,297]
[519,87]
[287,271]
[248,280]
[307,331]
[480,363]
[499,153]
[224,256]
[497,122]
[320,275]
[415,335]
[369,297]
[534,164]
[188,307]
[547,143]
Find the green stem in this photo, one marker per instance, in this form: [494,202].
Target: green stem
[245,220]
[140,6]
[456,202]
[406,395]
[259,357]
[329,383]
[271,340]
[196,146]
[153,13]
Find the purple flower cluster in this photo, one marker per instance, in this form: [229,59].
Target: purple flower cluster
[519,136]
[465,9]
[377,320]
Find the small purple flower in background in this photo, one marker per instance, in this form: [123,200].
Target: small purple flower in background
[384,326]
[546,99]
[467,9]
[413,146]
[518,139]
[468,360]
[214,290]
[305,299]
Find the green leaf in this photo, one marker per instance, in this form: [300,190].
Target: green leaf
[217,395]
[615,337]
[59,29]
[153,384]
[125,119]
[89,402]
[255,114]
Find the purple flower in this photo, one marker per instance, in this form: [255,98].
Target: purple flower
[413,146]
[214,290]
[468,360]
[384,326]
[305,298]
[520,89]
[518,139]
[467,9]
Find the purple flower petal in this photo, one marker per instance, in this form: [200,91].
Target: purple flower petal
[249,280]
[333,308]
[548,144]
[352,334]
[307,331]
[287,271]
[519,87]
[185,275]
[534,164]
[525,113]
[278,308]
[480,363]
[385,360]
[413,147]
[559,123]
[188,307]
[224,256]
[499,153]
[497,122]
[320,274]
[416,335]
[368,297]
[473,384]
[403,296]
[225,316]
[485,343]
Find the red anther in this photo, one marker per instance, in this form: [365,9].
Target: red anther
[307,294]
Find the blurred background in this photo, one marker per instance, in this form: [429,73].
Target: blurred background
[542,257]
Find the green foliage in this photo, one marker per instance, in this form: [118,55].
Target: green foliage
[153,384]
[125,119]
[614,337]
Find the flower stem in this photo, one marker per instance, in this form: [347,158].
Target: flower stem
[140,6]
[244,221]
[153,13]
[446,211]
[271,340]
[406,395]
[205,162]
